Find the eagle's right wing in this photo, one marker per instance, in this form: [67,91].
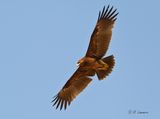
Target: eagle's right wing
[71,89]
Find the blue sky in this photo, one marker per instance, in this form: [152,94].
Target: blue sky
[41,41]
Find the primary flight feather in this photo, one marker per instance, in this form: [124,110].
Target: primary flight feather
[93,62]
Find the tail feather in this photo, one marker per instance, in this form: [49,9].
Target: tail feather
[103,73]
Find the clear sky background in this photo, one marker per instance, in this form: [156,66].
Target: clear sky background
[41,41]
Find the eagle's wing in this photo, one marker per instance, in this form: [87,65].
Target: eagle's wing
[102,33]
[72,88]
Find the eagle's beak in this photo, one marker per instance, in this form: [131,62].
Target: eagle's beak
[78,63]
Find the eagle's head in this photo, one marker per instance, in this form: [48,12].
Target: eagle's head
[85,61]
[80,62]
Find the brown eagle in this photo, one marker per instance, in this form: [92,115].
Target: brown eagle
[93,62]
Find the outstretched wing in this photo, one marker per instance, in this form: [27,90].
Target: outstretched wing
[71,89]
[102,33]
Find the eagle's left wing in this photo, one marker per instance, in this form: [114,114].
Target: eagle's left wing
[102,33]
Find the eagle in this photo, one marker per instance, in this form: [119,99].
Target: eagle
[93,63]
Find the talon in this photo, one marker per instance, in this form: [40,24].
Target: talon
[104,67]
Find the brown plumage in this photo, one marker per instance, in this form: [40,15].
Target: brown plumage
[93,62]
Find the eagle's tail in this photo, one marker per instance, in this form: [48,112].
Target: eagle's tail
[110,62]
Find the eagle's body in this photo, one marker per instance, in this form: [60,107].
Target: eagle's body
[93,62]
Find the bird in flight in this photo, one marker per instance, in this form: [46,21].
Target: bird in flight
[93,63]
